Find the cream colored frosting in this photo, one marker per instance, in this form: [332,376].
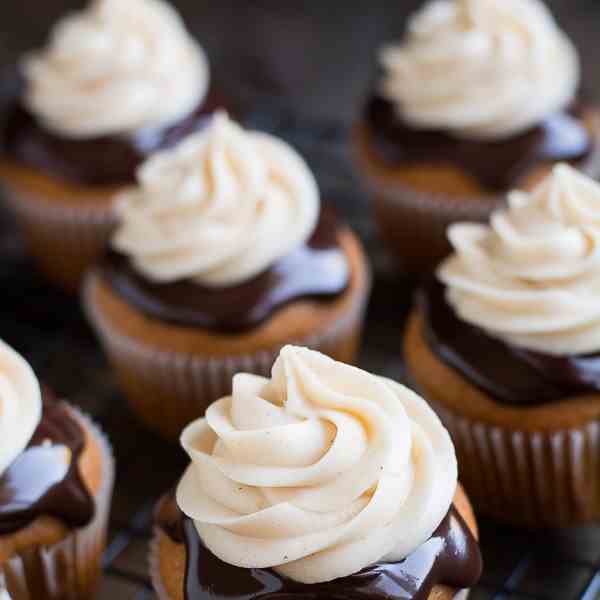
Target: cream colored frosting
[117,67]
[218,209]
[532,277]
[318,472]
[481,68]
[20,405]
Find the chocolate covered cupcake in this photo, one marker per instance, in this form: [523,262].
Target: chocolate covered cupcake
[323,481]
[505,345]
[116,82]
[56,477]
[223,255]
[480,98]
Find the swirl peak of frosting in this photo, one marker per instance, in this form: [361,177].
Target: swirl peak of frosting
[20,405]
[481,69]
[218,209]
[114,68]
[318,472]
[532,277]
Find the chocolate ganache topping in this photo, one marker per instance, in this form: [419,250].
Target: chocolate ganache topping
[450,557]
[511,375]
[497,165]
[106,160]
[44,480]
[318,269]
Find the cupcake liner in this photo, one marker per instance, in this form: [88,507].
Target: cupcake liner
[154,566]
[168,389]
[413,223]
[64,239]
[69,569]
[528,478]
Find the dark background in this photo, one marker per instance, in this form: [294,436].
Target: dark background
[301,70]
[316,56]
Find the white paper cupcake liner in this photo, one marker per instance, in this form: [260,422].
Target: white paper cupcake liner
[168,389]
[532,478]
[64,239]
[69,569]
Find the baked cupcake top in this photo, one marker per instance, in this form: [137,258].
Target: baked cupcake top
[116,82]
[532,277]
[227,216]
[318,473]
[42,442]
[481,69]
[115,68]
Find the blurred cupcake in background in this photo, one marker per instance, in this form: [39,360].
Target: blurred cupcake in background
[505,344]
[56,478]
[116,82]
[223,255]
[479,98]
[322,481]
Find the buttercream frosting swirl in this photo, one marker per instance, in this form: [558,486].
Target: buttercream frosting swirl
[218,209]
[20,405]
[532,277]
[483,69]
[318,472]
[114,68]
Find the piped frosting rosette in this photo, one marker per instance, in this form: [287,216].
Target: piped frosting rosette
[483,69]
[116,67]
[20,405]
[532,277]
[318,472]
[218,209]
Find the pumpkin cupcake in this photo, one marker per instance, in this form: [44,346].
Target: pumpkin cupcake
[323,481]
[56,477]
[505,346]
[116,82]
[479,98]
[223,255]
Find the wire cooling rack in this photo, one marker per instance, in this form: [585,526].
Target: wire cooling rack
[49,329]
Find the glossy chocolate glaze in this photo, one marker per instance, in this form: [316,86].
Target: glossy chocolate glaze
[107,160]
[508,374]
[318,269]
[40,482]
[450,557]
[497,166]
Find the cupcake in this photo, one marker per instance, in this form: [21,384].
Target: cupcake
[505,344]
[323,481]
[223,255]
[56,477]
[481,97]
[116,82]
